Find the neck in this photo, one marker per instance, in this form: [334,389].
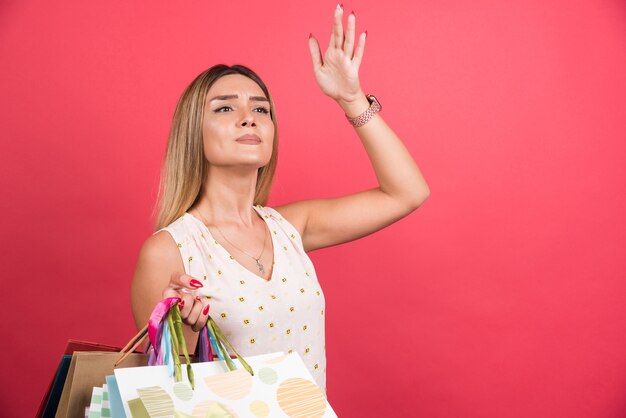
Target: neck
[227,196]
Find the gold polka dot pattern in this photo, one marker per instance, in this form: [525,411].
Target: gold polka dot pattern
[258,315]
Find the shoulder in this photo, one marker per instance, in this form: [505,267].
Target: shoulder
[295,213]
[159,253]
[163,249]
[159,245]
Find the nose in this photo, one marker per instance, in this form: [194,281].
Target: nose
[247,118]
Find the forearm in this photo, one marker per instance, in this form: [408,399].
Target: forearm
[397,173]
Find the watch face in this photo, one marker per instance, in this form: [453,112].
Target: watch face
[374,101]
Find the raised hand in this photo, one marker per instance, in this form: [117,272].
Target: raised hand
[337,73]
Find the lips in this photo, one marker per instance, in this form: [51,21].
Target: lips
[249,139]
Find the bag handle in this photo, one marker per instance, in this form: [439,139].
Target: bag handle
[165,331]
[132,345]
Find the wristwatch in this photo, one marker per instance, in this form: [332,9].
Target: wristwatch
[364,117]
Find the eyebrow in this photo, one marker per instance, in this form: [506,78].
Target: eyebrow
[234,96]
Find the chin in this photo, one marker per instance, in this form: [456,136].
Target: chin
[257,162]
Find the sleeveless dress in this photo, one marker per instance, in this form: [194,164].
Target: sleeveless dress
[285,313]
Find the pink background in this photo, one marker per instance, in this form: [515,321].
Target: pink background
[503,296]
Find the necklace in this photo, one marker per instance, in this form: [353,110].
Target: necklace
[259,265]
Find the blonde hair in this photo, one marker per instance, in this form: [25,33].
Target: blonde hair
[184,166]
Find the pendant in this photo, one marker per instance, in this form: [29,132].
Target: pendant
[260,267]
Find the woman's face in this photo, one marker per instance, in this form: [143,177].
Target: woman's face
[237,128]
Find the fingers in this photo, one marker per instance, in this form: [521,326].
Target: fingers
[202,318]
[180,284]
[348,45]
[336,39]
[196,315]
[179,281]
[194,310]
[185,305]
[360,48]
[316,55]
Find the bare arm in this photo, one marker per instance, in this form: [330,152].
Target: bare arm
[159,274]
[402,188]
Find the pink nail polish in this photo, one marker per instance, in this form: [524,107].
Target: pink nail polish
[310,35]
[181,304]
[366,34]
[205,311]
[352,13]
[198,299]
[195,283]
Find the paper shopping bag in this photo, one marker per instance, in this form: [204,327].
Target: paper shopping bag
[89,369]
[97,405]
[281,386]
[50,401]
[115,401]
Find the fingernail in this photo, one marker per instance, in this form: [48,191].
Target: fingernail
[310,35]
[181,304]
[198,299]
[366,34]
[195,283]
[206,310]
[352,13]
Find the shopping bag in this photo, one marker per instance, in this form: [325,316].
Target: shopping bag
[50,401]
[99,406]
[281,386]
[89,369]
[115,400]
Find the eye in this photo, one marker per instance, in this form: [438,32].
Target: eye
[222,109]
[262,109]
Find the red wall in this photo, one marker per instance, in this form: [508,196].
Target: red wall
[502,296]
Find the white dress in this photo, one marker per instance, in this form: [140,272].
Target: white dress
[285,313]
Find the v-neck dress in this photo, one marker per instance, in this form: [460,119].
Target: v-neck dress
[258,316]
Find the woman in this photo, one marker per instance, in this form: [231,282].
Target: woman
[217,246]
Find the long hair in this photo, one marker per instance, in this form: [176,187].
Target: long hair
[184,166]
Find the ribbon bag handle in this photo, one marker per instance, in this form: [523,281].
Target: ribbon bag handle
[165,332]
